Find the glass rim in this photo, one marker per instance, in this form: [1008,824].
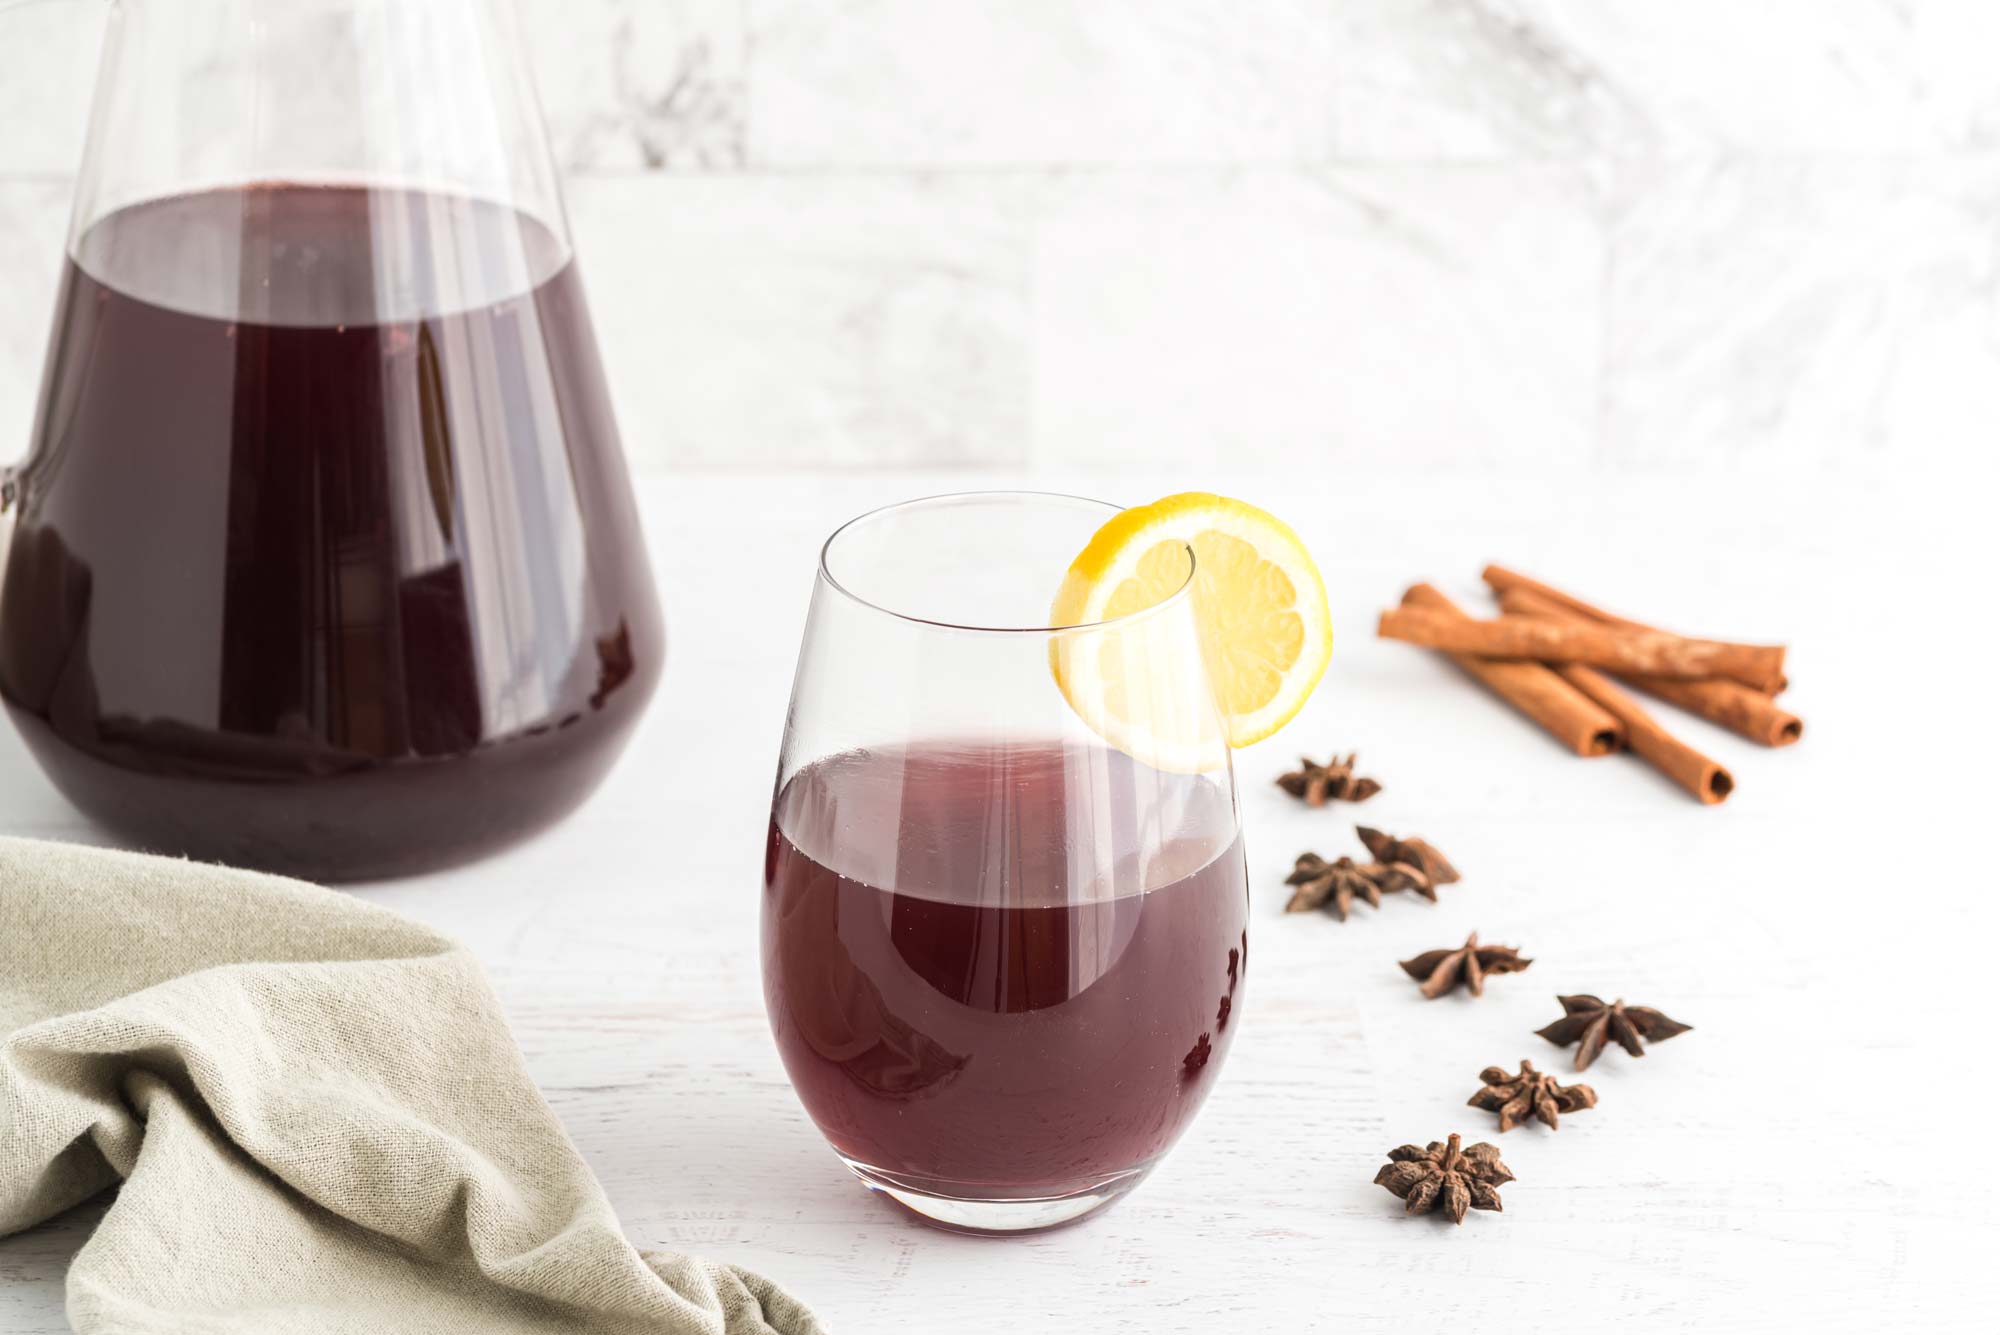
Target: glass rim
[1177,598]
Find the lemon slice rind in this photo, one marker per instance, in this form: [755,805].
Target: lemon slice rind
[1265,614]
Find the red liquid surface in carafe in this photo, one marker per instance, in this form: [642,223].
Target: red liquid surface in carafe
[1002,971]
[327,561]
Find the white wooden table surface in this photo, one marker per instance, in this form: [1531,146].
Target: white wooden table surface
[1813,1154]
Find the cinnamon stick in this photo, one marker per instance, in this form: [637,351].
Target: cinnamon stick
[1563,711]
[1709,782]
[1655,653]
[1745,712]
[1501,579]
[1731,704]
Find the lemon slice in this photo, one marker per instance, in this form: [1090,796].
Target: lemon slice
[1259,601]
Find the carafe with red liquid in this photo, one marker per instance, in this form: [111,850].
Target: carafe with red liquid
[325,558]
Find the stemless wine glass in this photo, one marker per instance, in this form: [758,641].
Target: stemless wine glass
[1004,912]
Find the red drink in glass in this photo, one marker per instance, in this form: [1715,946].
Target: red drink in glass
[327,562]
[1004,893]
[979,998]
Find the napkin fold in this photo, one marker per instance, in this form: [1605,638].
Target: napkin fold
[319,1118]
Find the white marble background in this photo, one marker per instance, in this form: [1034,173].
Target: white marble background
[1489,234]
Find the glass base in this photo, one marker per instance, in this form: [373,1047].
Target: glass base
[994,1212]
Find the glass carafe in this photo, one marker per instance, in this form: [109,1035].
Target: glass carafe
[325,557]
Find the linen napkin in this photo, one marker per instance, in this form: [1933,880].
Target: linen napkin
[319,1117]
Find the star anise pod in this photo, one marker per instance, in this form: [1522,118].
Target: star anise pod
[1335,781]
[1530,1094]
[1444,1177]
[1589,1019]
[1406,864]
[1442,970]
[1335,884]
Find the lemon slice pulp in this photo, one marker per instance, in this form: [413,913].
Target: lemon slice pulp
[1259,602]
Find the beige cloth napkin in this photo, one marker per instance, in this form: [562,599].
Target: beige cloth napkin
[320,1119]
